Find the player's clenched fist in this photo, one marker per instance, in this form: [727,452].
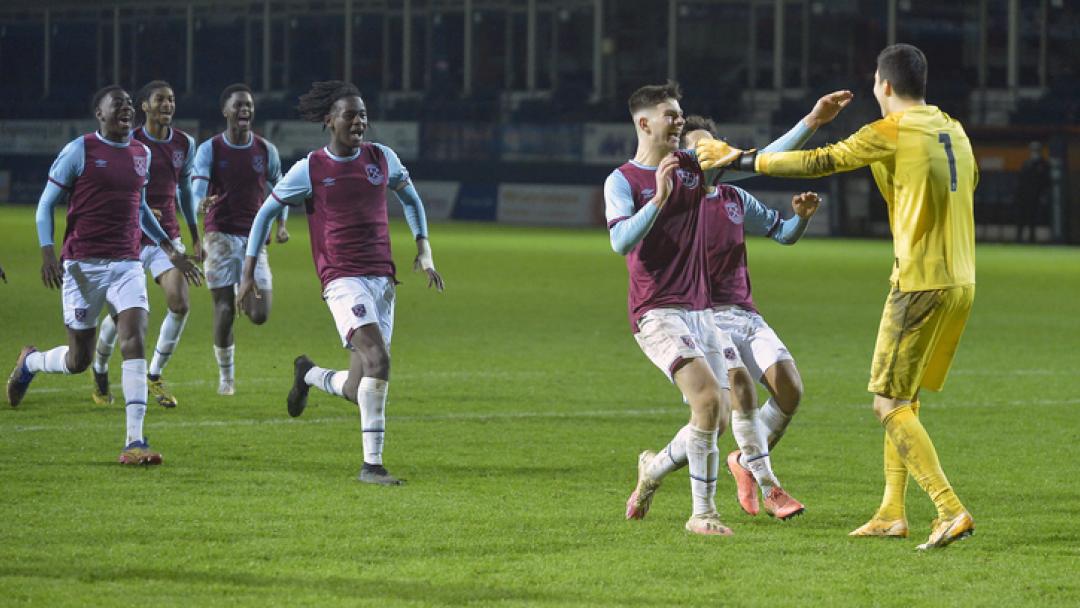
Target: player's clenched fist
[806,204]
[716,153]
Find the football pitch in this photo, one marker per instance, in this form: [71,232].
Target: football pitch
[518,404]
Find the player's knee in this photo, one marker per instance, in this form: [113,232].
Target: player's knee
[78,360]
[132,347]
[258,317]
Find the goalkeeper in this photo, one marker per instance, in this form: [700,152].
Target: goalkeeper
[922,162]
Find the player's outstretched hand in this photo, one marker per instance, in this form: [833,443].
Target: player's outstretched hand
[247,287]
[192,273]
[827,108]
[206,203]
[806,204]
[434,278]
[52,274]
[717,153]
[282,234]
[664,179]
[425,262]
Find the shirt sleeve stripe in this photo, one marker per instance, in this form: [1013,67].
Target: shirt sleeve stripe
[200,177]
[776,224]
[62,186]
[611,224]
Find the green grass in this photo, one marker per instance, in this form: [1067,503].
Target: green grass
[518,404]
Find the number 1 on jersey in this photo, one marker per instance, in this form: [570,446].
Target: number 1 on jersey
[945,139]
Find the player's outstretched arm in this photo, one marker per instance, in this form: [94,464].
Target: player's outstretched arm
[260,231]
[51,272]
[827,108]
[416,218]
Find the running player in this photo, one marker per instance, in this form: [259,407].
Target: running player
[105,175]
[922,162]
[172,157]
[232,171]
[343,187]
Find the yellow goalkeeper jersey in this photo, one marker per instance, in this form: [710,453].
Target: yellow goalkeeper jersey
[922,162]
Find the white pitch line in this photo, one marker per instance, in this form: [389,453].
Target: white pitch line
[467,417]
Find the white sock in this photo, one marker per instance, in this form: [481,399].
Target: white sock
[168,337]
[329,380]
[105,343]
[750,436]
[371,398]
[703,458]
[225,361]
[672,457]
[133,379]
[51,361]
[774,420]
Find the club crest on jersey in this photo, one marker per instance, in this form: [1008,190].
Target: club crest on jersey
[729,353]
[80,314]
[178,158]
[689,179]
[689,341]
[374,174]
[359,310]
[258,163]
[734,212]
[140,165]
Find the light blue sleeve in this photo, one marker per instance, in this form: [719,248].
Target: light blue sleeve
[414,210]
[260,227]
[273,172]
[626,227]
[295,187]
[65,169]
[399,175]
[760,220]
[795,138]
[200,174]
[185,197]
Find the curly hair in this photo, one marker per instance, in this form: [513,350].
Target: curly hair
[314,105]
[144,94]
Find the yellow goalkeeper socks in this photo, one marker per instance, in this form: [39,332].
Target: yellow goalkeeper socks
[896,476]
[917,452]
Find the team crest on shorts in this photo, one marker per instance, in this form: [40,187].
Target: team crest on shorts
[734,213]
[689,179]
[729,353]
[689,342]
[359,310]
[374,174]
[178,158]
[80,314]
[140,165]
[258,163]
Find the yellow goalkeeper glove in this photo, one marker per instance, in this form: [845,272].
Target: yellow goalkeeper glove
[718,154]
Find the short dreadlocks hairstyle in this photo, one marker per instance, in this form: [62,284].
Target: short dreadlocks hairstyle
[314,105]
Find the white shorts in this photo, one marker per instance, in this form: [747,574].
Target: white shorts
[156,261]
[668,336]
[93,283]
[224,264]
[749,341]
[358,301]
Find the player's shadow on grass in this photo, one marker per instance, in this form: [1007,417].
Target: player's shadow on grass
[341,587]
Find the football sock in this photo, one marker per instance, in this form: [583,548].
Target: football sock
[672,457]
[774,420]
[329,380]
[105,343]
[896,477]
[51,362]
[168,337]
[133,379]
[751,438]
[371,399]
[225,361]
[918,454]
[703,458]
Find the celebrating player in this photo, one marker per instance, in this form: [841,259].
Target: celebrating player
[343,186]
[105,175]
[172,157]
[922,162]
[653,207]
[232,170]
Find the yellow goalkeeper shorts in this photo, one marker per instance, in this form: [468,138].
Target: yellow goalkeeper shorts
[917,339]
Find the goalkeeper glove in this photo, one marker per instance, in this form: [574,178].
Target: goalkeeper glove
[718,154]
